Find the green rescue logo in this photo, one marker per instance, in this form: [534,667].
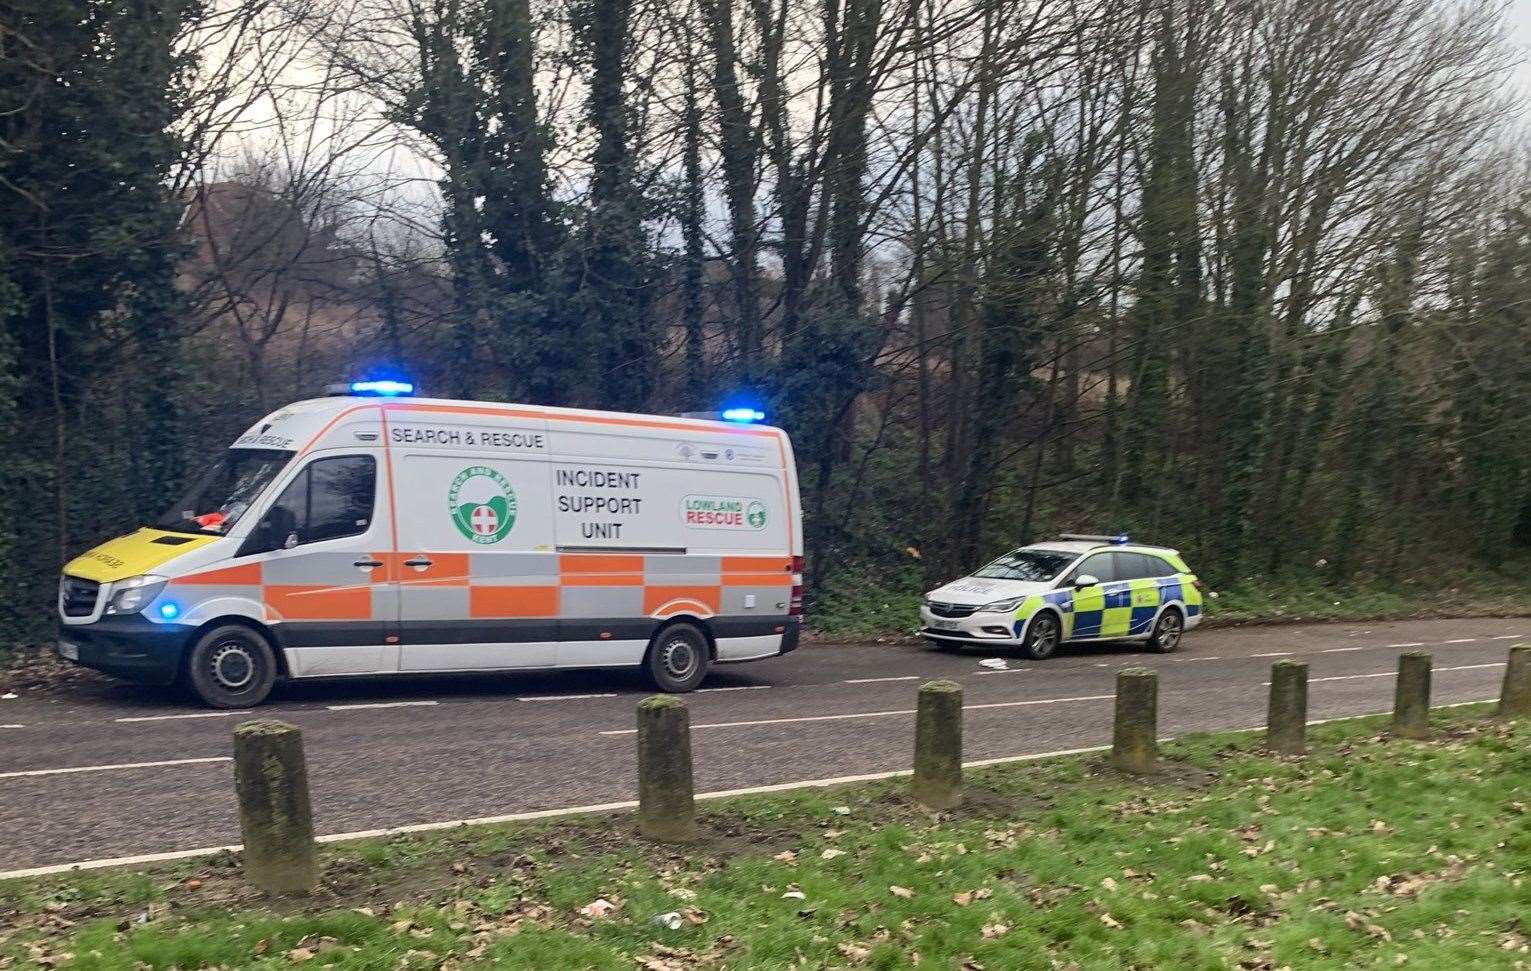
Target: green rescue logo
[723,512]
[482,504]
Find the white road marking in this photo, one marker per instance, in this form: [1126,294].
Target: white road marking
[873,714]
[1462,640]
[1506,637]
[43,871]
[166,718]
[106,768]
[911,677]
[1273,654]
[563,697]
[1389,674]
[741,687]
[13,726]
[1210,657]
[1409,644]
[1341,650]
[1009,670]
[381,704]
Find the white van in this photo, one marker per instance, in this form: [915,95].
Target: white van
[356,535]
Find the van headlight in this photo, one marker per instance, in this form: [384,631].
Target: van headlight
[1003,606]
[133,594]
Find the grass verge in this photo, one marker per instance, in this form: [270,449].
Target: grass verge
[1371,852]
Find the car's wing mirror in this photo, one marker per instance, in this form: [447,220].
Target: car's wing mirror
[1085,580]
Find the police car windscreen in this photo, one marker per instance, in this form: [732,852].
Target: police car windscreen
[1037,566]
[225,492]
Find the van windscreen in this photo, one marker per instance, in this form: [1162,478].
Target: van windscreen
[225,492]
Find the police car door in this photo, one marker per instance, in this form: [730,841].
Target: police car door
[1090,602]
[325,580]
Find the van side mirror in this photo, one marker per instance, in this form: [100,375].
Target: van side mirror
[1086,580]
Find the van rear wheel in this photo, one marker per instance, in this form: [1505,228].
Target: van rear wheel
[231,667]
[677,659]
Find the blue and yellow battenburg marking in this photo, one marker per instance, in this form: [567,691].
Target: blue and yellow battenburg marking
[1125,608]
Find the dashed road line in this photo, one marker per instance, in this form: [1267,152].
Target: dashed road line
[1015,670]
[13,726]
[874,714]
[909,677]
[381,704]
[166,718]
[1462,640]
[1274,654]
[1341,650]
[1209,657]
[1409,644]
[28,773]
[738,687]
[1389,674]
[1506,637]
[605,694]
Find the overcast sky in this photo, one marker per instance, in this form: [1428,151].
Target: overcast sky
[1520,32]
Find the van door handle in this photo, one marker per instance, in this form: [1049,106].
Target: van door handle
[418,562]
[368,564]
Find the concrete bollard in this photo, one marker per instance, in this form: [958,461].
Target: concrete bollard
[1411,696]
[1286,720]
[1515,697]
[1134,739]
[938,745]
[666,799]
[275,819]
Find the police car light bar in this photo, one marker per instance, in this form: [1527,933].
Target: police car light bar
[1116,540]
[385,388]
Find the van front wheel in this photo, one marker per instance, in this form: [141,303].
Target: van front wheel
[677,659]
[231,667]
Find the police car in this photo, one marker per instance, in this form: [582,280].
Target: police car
[1075,588]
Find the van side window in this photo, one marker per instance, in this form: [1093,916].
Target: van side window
[329,499]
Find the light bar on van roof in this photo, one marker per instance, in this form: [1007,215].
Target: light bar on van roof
[743,415]
[381,388]
[1116,540]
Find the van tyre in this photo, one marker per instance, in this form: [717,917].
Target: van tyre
[231,667]
[1168,630]
[677,659]
[1042,635]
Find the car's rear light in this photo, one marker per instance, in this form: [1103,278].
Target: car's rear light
[1200,587]
[795,602]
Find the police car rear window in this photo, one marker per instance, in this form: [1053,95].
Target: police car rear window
[1037,566]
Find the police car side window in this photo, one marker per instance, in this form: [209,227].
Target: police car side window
[340,497]
[1098,566]
[1134,566]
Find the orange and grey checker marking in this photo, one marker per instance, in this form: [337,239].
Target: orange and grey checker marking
[505,585]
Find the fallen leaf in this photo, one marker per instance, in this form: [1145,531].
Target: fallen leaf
[903,892]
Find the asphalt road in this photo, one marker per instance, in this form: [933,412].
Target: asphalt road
[75,786]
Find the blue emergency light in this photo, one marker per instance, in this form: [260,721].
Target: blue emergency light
[169,610]
[743,416]
[385,388]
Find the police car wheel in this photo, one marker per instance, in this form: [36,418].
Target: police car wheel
[1167,631]
[677,659]
[1042,636]
[231,667]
